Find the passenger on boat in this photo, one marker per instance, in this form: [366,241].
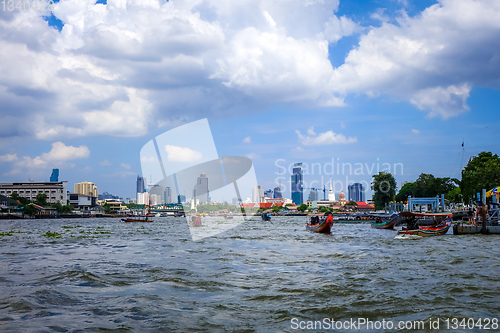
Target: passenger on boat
[314,220]
[469,215]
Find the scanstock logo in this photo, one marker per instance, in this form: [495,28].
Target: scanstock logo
[184,159]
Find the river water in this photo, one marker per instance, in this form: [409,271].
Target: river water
[105,275]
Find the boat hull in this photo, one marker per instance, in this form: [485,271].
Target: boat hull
[136,220]
[387,224]
[425,232]
[322,227]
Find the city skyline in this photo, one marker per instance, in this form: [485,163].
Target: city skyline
[409,84]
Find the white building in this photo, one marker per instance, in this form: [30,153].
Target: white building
[143,198]
[258,194]
[82,201]
[55,192]
[331,195]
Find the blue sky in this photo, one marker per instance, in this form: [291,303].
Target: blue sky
[363,82]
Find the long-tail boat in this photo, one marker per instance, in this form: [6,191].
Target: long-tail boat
[323,226]
[266,217]
[138,219]
[195,221]
[441,226]
[389,224]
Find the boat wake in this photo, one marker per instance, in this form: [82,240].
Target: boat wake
[407,237]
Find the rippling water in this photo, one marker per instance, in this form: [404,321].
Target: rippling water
[102,274]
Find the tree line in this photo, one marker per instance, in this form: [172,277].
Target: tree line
[28,208]
[482,172]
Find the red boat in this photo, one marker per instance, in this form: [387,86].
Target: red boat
[323,227]
[195,221]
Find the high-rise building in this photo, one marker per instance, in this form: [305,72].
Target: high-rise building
[356,192]
[143,198]
[167,195]
[313,195]
[181,198]
[257,194]
[277,193]
[54,178]
[200,190]
[86,188]
[268,193]
[141,184]
[297,186]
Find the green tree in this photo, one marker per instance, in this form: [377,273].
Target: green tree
[324,209]
[30,210]
[302,207]
[454,195]
[384,188]
[427,185]
[483,172]
[404,192]
[41,199]
[15,196]
[107,207]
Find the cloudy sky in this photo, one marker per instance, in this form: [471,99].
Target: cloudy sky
[365,85]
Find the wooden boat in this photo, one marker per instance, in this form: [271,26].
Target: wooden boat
[195,221]
[229,216]
[381,224]
[266,217]
[321,226]
[137,219]
[424,231]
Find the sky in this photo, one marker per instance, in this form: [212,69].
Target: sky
[368,86]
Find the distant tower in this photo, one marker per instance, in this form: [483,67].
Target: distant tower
[331,195]
[297,189]
[257,194]
[141,184]
[277,193]
[55,176]
[200,190]
[356,192]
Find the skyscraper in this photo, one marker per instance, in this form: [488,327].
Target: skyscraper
[200,190]
[167,196]
[268,193]
[356,192]
[141,184]
[313,195]
[297,190]
[55,176]
[257,194]
[277,193]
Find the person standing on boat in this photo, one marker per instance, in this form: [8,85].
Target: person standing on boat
[469,215]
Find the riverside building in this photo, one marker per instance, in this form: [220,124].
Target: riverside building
[55,191]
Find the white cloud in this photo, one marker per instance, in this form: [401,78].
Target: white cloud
[182,154]
[342,124]
[326,138]
[415,131]
[431,60]
[252,156]
[126,166]
[379,15]
[106,163]
[8,158]
[446,102]
[120,69]
[61,152]
[150,159]
[59,156]
[247,140]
